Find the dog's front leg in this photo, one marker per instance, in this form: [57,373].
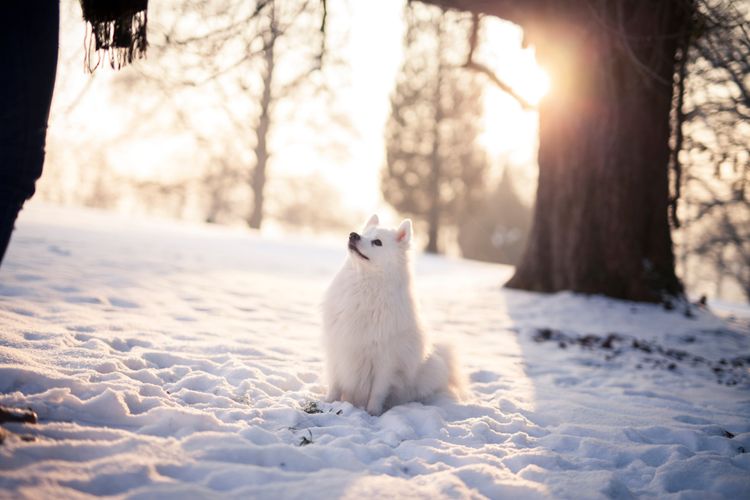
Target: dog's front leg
[334,392]
[381,384]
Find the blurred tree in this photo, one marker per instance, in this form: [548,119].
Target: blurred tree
[310,203]
[713,143]
[434,167]
[496,228]
[601,219]
[219,182]
[160,198]
[252,56]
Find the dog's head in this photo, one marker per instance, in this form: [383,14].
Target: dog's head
[380,248]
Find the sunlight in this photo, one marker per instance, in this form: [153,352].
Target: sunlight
[508,127]
[503,52]
[510,132]
[534,83]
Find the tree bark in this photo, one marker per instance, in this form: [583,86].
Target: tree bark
[258,181]
[600,223]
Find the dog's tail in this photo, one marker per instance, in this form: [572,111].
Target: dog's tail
[440,373]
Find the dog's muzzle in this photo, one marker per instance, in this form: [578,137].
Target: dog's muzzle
[353,239]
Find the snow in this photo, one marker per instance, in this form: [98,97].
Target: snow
[167,361]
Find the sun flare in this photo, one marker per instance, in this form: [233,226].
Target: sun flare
[510,133]
[533,83]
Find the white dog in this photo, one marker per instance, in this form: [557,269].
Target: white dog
[377,352]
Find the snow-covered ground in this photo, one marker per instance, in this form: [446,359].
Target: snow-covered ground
[183,361]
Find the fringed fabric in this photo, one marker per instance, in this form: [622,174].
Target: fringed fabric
[116,31]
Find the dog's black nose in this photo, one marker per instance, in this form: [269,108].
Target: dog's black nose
[354,237]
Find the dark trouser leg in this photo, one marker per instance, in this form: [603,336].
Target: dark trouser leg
[28,61]
[8,213]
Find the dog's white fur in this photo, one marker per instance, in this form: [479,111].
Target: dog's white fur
[378,355]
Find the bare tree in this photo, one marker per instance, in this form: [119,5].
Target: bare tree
[258,181]
[713,142]
[250,56]
[435,168]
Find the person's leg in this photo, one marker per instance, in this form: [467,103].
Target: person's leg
[28,62]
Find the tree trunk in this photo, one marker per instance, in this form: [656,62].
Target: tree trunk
[258,181]
[600,224]
[433,216]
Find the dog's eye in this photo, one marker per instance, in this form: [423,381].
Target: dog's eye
[377,243]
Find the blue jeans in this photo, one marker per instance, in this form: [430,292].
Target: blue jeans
[28,62]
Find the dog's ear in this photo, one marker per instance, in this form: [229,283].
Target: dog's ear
[374,221]
[403,234]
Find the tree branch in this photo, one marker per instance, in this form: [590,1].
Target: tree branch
[512,10]
[481,68]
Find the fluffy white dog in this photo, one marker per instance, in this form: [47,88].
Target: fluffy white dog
[378,355]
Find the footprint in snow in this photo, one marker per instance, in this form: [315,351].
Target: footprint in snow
[59,251]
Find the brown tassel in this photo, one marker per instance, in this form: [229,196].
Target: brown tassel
[117,29]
